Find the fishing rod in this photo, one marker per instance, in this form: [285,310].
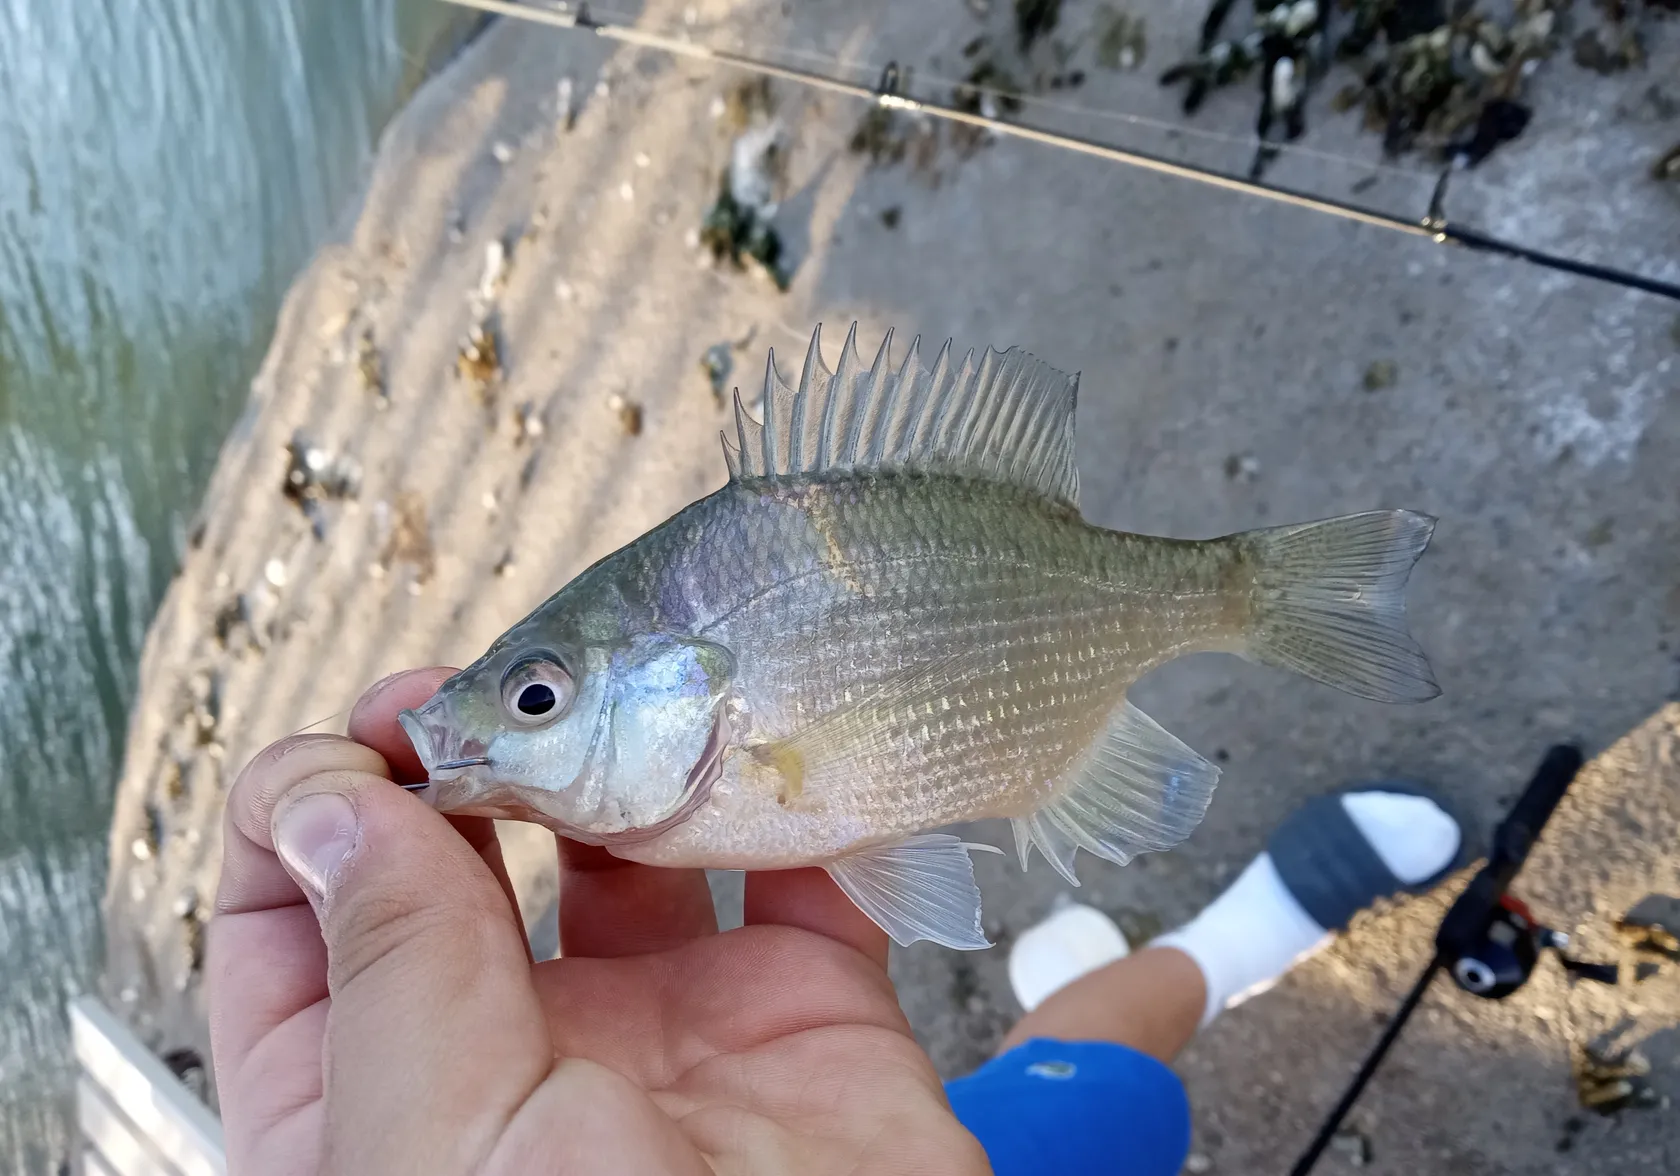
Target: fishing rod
[887,94]
[1489,942]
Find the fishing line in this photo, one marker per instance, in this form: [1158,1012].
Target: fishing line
[760,52]
[1434,225]
[329,718]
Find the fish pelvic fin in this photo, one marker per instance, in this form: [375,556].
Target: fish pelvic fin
[1139,790]
[1328,601]
[1003,416]
[920,888]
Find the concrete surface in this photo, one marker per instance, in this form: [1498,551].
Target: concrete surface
[1224,345]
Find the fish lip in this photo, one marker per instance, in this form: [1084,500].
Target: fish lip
[415,728]
[443,753]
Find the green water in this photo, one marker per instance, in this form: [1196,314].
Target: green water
[166,167]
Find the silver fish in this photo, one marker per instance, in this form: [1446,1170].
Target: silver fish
[893,619]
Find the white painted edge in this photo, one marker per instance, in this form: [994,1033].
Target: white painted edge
[93,1164]
[140,1086]
[124,1150]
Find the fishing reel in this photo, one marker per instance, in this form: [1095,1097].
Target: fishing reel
[1509,950]
[1489,942]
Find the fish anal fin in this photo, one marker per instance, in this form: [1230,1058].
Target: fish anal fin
[1140,789]
[920,888]
[1058,849]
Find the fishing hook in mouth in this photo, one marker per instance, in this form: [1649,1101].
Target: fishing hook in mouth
[450,766]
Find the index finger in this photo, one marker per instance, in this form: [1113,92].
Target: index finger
[373,720]
[373,723]
[610,907]
[810,899]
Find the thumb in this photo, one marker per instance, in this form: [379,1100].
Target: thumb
[434,1034]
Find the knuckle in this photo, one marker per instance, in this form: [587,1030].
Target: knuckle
[278,752]
[273,768]
[280,767]
[378,933]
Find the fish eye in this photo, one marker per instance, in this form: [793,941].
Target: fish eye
[536,689]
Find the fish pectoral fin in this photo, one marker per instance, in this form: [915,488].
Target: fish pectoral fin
[1139,790]
[878,731]
[921,888]
[784,758]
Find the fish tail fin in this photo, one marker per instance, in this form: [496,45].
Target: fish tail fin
[1327,600]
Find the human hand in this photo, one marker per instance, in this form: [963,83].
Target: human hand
[374,1007]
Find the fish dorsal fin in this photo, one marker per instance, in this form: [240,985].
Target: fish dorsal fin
[1002,417]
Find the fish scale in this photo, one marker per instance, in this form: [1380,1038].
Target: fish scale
[890,620]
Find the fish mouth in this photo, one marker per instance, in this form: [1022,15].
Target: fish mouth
[442,751]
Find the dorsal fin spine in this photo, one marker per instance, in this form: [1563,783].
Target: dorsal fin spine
[748,444]
[771,411]
[811,382]
[915,433]
[825,426]
[849,413]
[947,418]
[831,398]
[881,388]
[729,458]
[888,407]
[973,427]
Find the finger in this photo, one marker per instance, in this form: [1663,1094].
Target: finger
[720,994]
[373,722]
[810,899]
[480,833]
[610,907]
[264,955]
[435,1035]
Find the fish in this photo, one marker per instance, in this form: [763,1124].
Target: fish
[891,620]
